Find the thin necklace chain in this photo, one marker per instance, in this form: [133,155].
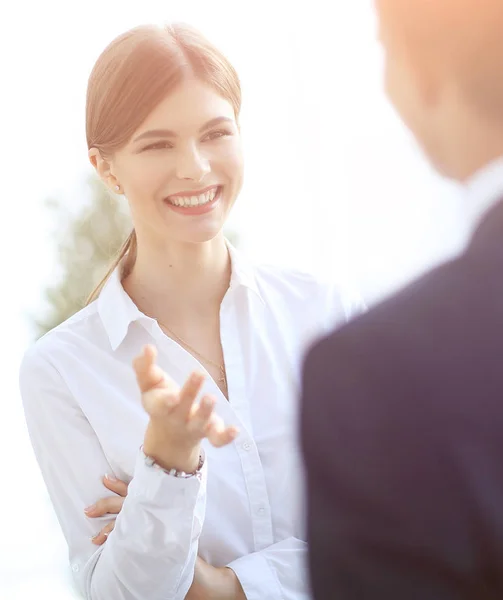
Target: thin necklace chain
[220,367]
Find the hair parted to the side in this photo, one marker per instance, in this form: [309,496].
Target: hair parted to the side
[132,76]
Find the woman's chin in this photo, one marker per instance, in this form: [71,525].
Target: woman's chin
[199,235]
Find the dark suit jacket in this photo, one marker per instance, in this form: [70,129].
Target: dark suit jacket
[402,434]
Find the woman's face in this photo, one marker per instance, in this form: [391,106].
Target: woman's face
[183,168]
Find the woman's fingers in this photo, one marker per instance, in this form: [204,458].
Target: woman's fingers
[142,365]
[159,402]
[219,435]
[161,397]
[115,485]
[188,394]
[101,537]
[110,505]
[148,374]
[210,425]
[228,435]
[202,415]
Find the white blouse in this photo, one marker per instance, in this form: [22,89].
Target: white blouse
[85,419]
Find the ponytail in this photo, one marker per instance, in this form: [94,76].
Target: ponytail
[127,251]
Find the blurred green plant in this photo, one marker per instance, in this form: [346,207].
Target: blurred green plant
[85,246]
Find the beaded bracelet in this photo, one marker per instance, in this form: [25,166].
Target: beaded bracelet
[150,462]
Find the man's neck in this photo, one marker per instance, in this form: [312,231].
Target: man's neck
[473,140]
[180,280]
[476,162]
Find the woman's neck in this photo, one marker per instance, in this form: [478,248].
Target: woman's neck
[180,280]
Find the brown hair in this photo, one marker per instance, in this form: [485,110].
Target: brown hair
[132,76]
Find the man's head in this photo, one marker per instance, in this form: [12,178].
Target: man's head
[444,74]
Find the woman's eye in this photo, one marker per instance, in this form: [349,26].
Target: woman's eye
[159,146]
[214,135]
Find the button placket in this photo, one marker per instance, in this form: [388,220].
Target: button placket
[251,464]
[233,355]
[257,494]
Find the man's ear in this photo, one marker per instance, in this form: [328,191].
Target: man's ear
[103,168]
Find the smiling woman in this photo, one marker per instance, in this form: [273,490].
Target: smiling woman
[179,151]
[151,127]
[202,429]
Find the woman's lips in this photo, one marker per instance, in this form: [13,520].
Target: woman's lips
[198,209]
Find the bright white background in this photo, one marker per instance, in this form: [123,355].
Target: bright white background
[333,183]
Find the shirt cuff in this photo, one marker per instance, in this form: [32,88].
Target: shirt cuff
[153,484]
[257,577]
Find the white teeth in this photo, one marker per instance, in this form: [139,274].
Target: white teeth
[194,200]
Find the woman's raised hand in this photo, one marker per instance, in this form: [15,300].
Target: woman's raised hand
[177,423]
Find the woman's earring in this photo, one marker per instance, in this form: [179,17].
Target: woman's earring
[117,188]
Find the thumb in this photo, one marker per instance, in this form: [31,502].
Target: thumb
[148,374]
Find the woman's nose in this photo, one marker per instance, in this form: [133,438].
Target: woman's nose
[192,164]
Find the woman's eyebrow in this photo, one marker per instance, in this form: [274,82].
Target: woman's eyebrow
[166,133]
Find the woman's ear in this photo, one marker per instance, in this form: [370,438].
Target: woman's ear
[103,169]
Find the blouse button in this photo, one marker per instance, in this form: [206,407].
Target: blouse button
[246,446]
